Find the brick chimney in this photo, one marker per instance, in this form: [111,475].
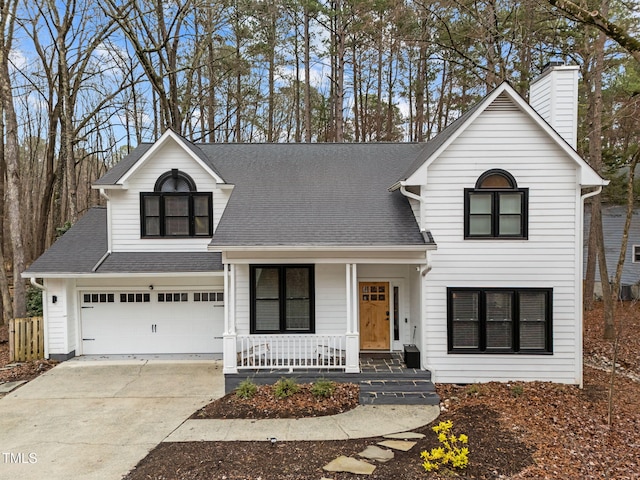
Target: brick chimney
[554,95]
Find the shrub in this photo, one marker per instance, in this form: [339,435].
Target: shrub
[34,302]
[450,454]
[517,390]
[323,388]
[246,389]
[285,387]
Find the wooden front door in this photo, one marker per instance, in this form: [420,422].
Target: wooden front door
[374,315]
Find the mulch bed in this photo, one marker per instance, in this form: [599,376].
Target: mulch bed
[521,430]
[265,404]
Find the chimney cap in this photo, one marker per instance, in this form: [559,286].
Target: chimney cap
[553,63]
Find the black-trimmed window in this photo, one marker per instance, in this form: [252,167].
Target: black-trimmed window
[282,299]
[175,208]
[497,320]
[636,253]
[496,207]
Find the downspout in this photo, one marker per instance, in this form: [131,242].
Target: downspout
[39,286]
[45,314]
[417,198]
[108,252]
[580,279]
[423,273]
[104,195]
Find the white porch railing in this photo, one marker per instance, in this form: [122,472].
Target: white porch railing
[291,351]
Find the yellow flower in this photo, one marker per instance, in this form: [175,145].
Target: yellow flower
[463,438]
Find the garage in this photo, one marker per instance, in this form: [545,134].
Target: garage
[151,322]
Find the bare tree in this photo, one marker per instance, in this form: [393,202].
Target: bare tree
[599,20]
[155,31]
[12,155]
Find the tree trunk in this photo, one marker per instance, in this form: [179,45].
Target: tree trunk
[595,159]
[627,223]
[590,272]
[7,309]
[307,75]
[12,163]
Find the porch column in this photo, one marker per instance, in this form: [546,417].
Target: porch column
[230,364]
[352,337]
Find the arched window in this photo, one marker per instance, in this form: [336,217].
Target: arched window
[174,181]
[496,207]
[175,208]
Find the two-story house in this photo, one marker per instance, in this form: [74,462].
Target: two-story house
[305,255]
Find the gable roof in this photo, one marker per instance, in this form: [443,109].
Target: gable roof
[437,145]
[315,194]
[83,250]
[118,175]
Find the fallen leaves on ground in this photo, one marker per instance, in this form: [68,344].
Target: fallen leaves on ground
[518,430]
[19,371]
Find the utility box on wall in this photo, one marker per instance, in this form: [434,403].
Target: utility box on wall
[411,356]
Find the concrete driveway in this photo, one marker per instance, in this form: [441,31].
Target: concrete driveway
[97,420]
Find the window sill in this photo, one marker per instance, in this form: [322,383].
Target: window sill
[495,352]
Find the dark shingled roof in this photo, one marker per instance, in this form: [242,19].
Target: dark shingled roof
[123,166]
[436,142]
[79,249]
[82,247]
[161,262]
[316,194]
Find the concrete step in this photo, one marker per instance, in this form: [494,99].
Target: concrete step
[399,398]
[408,385]
[398,391]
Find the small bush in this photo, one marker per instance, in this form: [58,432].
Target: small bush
[323,388]
[517,390]
[246,389]
[34,302]
[285,387]
[450,454]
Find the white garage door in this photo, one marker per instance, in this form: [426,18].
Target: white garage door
[171,321]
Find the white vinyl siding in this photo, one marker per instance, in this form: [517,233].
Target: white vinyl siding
[511,141]
[59,331]
[125,204]
[330,299]
[554,96]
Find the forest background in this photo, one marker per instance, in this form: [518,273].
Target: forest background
[82,82]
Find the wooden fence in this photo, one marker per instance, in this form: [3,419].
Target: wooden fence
[26,339]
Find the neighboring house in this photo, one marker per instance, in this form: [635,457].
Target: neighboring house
[305,255]
[613,221]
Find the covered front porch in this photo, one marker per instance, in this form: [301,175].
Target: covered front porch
[353,308]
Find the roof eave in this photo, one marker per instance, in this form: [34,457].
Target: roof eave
[318,248]
[69,275]
[169,134]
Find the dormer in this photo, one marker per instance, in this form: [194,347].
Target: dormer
[165,195]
